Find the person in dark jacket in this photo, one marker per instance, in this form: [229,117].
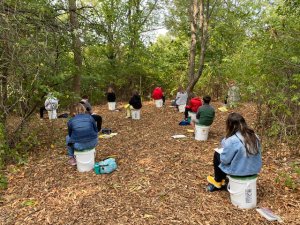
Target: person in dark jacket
[82,131]
[110,95]
[85,102]
[206,113]
[134,103]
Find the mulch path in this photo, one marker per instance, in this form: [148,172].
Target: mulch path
[159,180]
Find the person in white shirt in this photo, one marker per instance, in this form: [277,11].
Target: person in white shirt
[51,105]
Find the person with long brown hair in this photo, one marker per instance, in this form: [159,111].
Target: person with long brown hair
[241,155]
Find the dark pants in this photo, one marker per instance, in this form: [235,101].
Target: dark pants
[225,100]
[42,109]
[186,112]
[164,99]
[98,120]
[219,174]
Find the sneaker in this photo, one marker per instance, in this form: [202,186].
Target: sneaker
[72,161]
[212,181]
[212,188]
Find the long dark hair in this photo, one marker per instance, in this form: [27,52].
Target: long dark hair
[236,122]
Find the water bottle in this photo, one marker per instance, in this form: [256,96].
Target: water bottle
[97,168]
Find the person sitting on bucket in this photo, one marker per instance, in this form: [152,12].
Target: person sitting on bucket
[233,95]
[206,113]
[193,105]
[82,131]
[158,94]
[88,107]
[241,155]
[135,102]
[51,105]
[181,97]
[110,95]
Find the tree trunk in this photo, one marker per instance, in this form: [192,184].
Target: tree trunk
[193,18]
[203,36]
[76,45]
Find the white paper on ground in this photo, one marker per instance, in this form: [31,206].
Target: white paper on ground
[107,135]
[219,150]
[179,136]
[268,214]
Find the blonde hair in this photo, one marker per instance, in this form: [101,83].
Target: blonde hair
[76,109]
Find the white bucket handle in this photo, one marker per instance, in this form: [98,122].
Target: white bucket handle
[88,161]
[237,192]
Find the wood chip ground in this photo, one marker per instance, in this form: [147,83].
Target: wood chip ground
[159,180]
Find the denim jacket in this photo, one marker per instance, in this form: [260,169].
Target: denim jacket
[234,158]
[82,128]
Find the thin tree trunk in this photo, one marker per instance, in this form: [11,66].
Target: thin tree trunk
[76,44]
[203,25]
[193,17]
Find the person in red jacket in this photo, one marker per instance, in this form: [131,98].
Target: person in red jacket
[193,105]
[158,94]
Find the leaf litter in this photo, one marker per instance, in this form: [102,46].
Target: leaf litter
[159,180]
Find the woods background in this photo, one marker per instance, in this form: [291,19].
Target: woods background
[74,47]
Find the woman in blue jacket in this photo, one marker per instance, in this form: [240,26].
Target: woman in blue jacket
[82,131]
[241,155]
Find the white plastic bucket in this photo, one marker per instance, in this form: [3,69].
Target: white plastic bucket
[193,116]
[158,103]
[242,192]
[181,108]
[85,160]
[52,115]
[201,132]
[136,114]
[111,105]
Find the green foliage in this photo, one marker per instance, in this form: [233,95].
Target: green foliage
[290,178]
[3,145]
[3,152]
[265,62]
[3,182]
[255,43]
[29,202]
[168,63]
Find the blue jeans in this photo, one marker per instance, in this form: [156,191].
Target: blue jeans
[79,146]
